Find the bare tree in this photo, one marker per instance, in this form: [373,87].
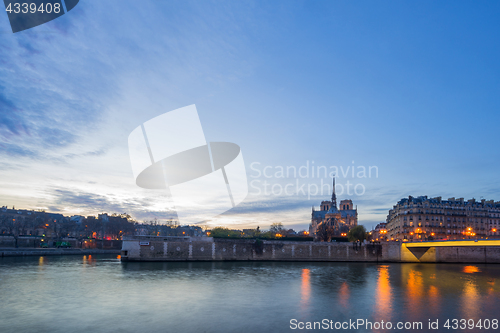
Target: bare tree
[325,232]
[277,228]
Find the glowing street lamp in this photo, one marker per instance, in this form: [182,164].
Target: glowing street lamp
[469,232]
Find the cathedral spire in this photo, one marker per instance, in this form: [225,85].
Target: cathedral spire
[334,197]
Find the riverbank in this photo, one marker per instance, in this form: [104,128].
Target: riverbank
[20,252]
[154,248]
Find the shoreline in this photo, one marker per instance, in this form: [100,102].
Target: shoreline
[22,252]
[154,248]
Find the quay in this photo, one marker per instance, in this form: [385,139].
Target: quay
[153,248]
[20,252]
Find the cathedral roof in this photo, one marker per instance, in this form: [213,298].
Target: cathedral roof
[333,210]
[319,214]
[350,212]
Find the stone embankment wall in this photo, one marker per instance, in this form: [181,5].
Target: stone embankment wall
[208,249]
[19,252]
[150,248]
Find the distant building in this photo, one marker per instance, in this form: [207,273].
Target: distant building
[342,220]
[423,218]
[379,233]
[156,229]
[78,219]
[104,217]
[27,222]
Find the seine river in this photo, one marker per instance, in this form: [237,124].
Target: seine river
[101,294]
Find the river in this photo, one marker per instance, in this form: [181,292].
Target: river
[101,294]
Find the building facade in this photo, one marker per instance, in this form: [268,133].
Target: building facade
[423,218]
[379,234]
[341,219]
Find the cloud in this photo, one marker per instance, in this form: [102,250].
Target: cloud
[92,203]
[14,150]
[51,91]
[270,205]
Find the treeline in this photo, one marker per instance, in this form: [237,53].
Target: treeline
[276,231]
[58,226]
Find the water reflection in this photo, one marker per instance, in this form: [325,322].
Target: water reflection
[41,263]
[383,294]
[305,290]
[344,294]
[471,269]
[434,299]
[89,260]
[491,288]
[415,293]
[471,298]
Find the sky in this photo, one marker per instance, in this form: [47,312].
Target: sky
[408,90]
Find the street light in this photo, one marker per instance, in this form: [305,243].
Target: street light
[470,232]
[418,231]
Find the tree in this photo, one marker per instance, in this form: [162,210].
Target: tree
[220,232]
[357,233]
[325,232]
[277,228]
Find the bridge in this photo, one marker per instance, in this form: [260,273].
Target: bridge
[470,251]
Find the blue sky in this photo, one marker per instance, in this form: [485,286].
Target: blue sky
[412,88]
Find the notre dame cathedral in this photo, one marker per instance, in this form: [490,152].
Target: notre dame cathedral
[342,220]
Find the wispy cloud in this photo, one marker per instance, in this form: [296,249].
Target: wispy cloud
[93,203]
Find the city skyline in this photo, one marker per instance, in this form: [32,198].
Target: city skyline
[408,88]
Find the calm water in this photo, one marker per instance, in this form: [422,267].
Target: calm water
[100,294]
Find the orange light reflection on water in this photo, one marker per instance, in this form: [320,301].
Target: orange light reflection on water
[415,293]
[491,289]
[41,263]
[471,269]
[383,294]
[434,299]
[305,289]
[344,294]
[471,300]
